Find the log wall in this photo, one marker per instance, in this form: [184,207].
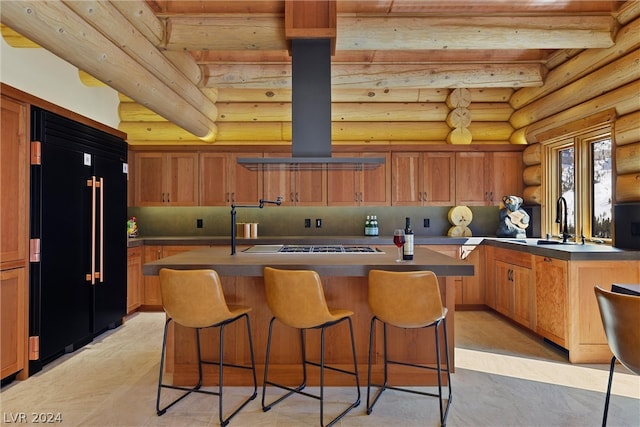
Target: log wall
[601,83]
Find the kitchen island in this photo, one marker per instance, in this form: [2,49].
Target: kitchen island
[344,279]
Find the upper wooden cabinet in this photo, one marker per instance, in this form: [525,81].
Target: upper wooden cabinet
[297,188]
[423,179]
[483,178]
[223,181]
[14,184]
[416,178]
[166,179]
[360,187]
[14,237]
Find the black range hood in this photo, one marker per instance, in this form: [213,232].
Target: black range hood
[310,115]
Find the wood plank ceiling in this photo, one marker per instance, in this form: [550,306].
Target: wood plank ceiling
[179,58]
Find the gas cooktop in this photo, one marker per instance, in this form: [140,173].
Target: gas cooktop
[313,249]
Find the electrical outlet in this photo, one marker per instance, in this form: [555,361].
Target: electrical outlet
[199,223]
[318,222]
[307,223]
[425,223]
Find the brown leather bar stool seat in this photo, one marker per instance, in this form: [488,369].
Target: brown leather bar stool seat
[407,300]
[194,299]
[620,315]
[296,299]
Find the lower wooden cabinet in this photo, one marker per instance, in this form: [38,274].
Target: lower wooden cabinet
[152,298]
[13,327]
[472,287]
[134,279]
[513,283]
[551,288]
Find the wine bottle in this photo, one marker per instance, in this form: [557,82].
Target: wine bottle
[407,249]
[367,226]
[374,225]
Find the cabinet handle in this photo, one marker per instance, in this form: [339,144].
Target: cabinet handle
[355,196]
[491,196]
[297,199]
[233,196]
[158,252]
[419,196]
[361,198]
[424,197]
[547,259]
[291,199]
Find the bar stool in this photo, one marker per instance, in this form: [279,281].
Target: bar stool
[407,300]
[194,299]
[296,298]
[620,316]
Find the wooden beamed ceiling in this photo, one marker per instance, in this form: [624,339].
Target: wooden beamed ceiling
[172,56]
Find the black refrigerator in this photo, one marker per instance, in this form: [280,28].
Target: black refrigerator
[78,234]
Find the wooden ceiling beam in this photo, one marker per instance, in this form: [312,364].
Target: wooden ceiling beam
[57,28]
[255,76]
[267,32]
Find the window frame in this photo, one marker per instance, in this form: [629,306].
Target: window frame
[581,141]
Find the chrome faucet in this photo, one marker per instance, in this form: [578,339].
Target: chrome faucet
[260,205]
[561,208]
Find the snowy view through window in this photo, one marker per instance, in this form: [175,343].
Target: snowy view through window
[600,175]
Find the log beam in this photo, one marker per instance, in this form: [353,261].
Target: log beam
[60,30]
[380,76]
[267,32]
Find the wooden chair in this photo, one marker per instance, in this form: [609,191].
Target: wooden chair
[296,299]
[407,300]
[620,315]
[194,299]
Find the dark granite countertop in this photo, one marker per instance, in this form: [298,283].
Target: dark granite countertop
[568,252]
[326,264]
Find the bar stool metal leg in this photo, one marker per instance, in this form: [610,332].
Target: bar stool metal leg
[322,366]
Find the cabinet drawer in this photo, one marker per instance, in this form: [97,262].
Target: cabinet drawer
[512,257]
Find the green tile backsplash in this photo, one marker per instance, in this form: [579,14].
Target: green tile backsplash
[290,221]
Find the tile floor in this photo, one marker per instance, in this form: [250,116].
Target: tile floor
[504,377]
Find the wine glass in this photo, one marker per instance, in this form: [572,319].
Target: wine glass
[398,240]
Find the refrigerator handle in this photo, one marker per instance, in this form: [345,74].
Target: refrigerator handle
[92,275]
[100,274]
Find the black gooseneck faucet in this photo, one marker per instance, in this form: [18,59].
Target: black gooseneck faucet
[562,215]
[260,205]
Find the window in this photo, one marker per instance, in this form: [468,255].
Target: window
[579,170]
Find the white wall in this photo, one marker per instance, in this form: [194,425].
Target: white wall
[42,74]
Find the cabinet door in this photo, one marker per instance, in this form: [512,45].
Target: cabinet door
[13,184]
[149,179]
[375,184]
[504,287]
[523,297]
[471,178]
[310,188]
[134,279]
[246,185]
[438,179]
[13,328]
[489,277]
[215,183]
[505,176]
[182,179]
[343,186]
[551,287]
[472,286]
[406,184]
[152,296]
[278,183]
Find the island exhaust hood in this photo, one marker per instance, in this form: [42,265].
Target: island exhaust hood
[310,115]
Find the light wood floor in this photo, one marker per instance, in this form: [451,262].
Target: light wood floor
[504,377]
